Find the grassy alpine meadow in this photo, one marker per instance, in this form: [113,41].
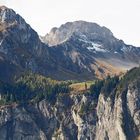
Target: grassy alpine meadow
[81,86]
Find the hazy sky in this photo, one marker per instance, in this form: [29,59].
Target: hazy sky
[121,16]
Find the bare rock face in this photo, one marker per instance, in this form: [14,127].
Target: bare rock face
[113,116]
[64,120]
[119,115]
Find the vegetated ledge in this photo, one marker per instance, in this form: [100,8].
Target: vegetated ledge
[32,88]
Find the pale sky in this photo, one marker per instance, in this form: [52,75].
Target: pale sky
[122,17]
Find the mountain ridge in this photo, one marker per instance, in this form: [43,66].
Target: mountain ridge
[70,28]
[88,51]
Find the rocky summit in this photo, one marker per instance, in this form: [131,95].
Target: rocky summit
[106,106]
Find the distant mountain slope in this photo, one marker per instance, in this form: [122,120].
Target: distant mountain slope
[88,44]
[75,51]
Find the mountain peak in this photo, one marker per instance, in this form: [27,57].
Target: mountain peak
[9,18]
[3,7]
[78,28]
[7,14]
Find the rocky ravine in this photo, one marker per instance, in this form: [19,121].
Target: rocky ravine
[76,117]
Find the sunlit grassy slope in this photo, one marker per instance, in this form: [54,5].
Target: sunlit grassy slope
[81,86]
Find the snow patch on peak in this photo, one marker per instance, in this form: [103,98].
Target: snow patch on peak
[83,37]
[1,42]
[96,47]
[126,48]
[93,46]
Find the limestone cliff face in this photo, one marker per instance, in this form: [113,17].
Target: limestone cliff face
[44,121]
[118,115]
[76,117]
